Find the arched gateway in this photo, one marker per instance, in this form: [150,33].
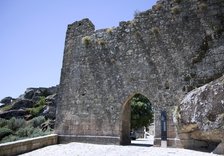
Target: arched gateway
[160,54]
[125,128]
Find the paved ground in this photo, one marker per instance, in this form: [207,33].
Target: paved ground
[140,147]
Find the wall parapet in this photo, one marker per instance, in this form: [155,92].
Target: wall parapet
[26,145]
[163,53]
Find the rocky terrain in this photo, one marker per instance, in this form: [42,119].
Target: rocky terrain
[31,114]
[200,116]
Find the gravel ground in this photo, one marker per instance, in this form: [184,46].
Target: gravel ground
[82,149]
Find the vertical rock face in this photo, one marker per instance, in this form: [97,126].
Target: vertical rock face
[201,113]
[163,53]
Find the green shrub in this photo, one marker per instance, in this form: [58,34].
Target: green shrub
[4,132]
[36,110]
[37,121]
[38,132]
[41,102]
[86,40]
[9,138]
[3,122]
[15,124]
[39,106]
[25,132]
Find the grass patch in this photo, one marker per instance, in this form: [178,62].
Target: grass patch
[6,107]
[41,102]
[35,111]
[86,40]
[109,30]
[101,42]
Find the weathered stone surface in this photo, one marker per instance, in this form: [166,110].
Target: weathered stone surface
[13,113]
[49,112]
[49,124]
[50,109]
[22,104]
[6,100]
[25,104]
[29,93]
[204,109]
[52,90]
[51,99]
[219,149]
[35,93]
[201,113]
[163,54]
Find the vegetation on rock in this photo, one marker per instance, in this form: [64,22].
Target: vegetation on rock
[38,119]
[38,107]
[18,128]
[86,40]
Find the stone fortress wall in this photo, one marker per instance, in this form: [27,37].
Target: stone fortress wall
[163,53]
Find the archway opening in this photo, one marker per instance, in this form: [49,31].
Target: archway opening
[137,125]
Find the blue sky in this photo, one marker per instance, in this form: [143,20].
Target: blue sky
[32,34]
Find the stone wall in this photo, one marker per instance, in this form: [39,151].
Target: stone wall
[26,145]
[163,53]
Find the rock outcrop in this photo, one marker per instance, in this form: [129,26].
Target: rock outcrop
[13,113]
[50,108]
[201,116]
[32,114]
[22,104]
[219,149]
[27,105]
[6,100]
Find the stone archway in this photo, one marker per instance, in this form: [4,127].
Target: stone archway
[97,77]
[125,126]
